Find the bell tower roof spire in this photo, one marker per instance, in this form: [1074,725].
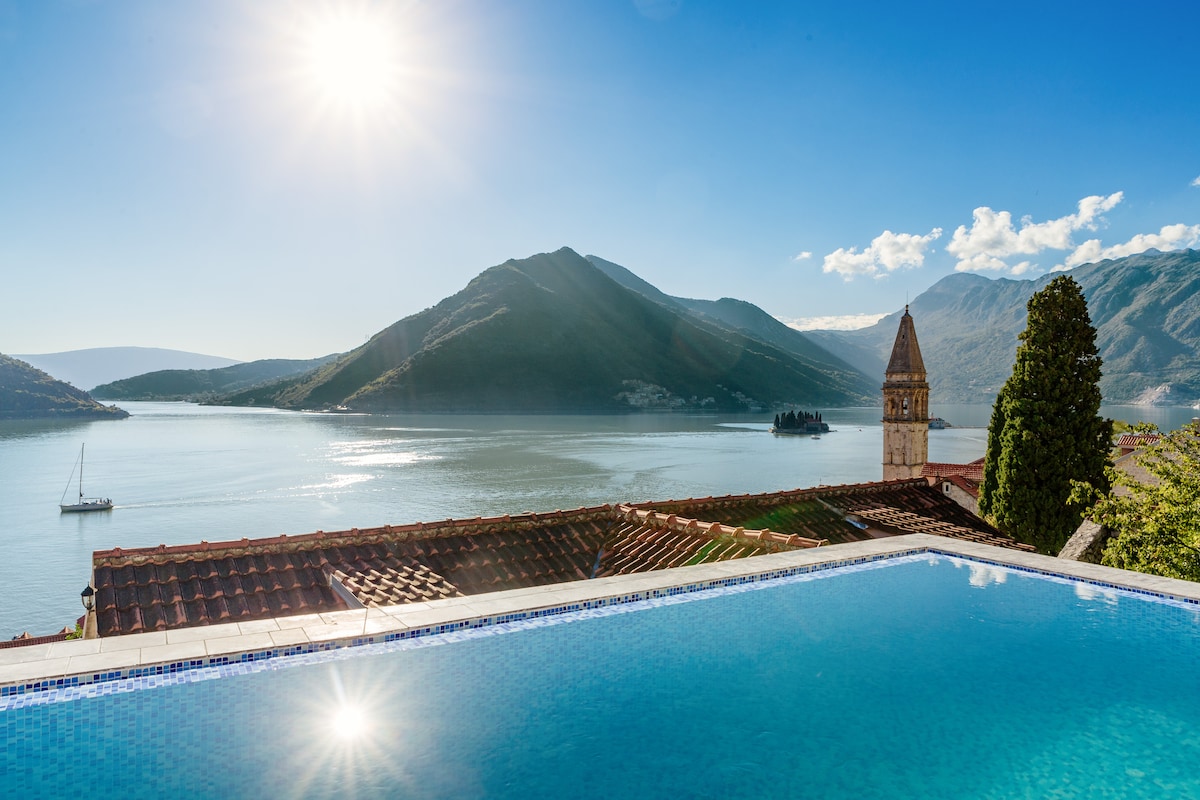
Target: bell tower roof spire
[906,353]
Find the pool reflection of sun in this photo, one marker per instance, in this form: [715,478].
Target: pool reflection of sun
[349,722]
[350,57]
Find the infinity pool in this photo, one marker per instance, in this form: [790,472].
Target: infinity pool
[919,676]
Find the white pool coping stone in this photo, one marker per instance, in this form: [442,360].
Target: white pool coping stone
[78,662]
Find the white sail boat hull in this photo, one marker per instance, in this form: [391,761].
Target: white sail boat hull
[99,504]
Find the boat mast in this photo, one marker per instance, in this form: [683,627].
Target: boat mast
[81,471]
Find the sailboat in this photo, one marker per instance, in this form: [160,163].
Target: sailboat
[84,503]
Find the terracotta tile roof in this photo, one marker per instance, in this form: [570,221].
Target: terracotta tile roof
[969,486]
[929,511]
[648,540]
[391,584]
[25,639]
[1127,442]
[160,592]
[798,513]
[848,513]
[972,471]
[163,588]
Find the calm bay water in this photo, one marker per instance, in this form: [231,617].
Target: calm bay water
[181,473]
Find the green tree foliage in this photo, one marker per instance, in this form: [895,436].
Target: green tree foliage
[1046,435]
[1156,522]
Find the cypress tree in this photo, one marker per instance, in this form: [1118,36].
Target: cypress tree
[1046,433]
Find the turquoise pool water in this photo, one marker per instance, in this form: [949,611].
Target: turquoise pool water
[922,676]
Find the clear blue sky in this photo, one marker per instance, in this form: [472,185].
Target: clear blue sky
[271,179]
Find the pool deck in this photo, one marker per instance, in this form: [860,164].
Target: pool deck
[84,661]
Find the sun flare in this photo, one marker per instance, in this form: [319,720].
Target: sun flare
[349,722]
[351,58]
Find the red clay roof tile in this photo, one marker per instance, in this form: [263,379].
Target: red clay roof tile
[1129,442]
[972,471]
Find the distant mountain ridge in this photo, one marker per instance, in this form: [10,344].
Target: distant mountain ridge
[94,366]
[554,333]
[28,393]
[560,332]
[1145,308]
[200,385]
[747,318]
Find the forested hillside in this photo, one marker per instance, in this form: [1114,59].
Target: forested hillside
[29,393]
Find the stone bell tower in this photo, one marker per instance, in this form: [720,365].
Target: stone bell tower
[905,407]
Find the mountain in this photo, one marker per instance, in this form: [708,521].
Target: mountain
[204,384]
[554,333]
[1145,308]
[97,365]
[28,393]
[748,319]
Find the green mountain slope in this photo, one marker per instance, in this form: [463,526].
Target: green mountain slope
[552,333]
[205,384]
[28,393]
[748,319]
[1146,310]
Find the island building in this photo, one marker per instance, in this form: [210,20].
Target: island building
[905,407]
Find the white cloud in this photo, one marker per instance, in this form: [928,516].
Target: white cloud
[993,242]
[804,255]
[1170,237]
[887,253]
[992,236]
[1197,181]
[1087,591]
[845,322]
[1086,253]
[983,575]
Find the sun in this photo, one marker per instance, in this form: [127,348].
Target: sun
[349,722]
[350,57]
[364,79]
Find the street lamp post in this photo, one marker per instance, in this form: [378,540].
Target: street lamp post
[88,598]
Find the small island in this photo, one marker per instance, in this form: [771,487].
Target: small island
[802,423]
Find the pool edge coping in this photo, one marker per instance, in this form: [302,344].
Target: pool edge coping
[76,663]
